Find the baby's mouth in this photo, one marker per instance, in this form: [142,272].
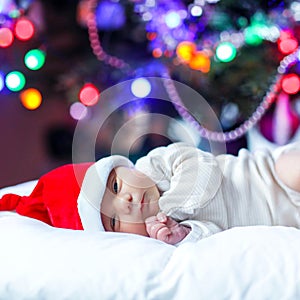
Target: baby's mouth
[142,202]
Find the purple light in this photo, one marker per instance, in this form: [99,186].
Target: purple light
[1,81]
[110,15]
[78,111]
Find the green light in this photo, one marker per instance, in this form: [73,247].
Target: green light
[252,34]
[15,81]
[242,22]
[34,59]
[14,14]
[225,52]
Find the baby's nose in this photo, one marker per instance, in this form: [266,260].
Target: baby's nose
[124,203]
[126,197]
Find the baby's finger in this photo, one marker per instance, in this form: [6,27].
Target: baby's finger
[162,217]
[153,228]
[163,234]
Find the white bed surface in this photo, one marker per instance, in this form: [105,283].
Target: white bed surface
[42,262]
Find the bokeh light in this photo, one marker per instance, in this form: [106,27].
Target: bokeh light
[141,87]
[200,61]
[34,59]
[157,52]
[15,81]
[172,19]
[225,52]
[185,50]
[1,81]
[288,45]
[196,11]
[24,29]
[6,37]
[89,94]
[31,98]
[110,15]
[78,111]
[291,83]
[252,34]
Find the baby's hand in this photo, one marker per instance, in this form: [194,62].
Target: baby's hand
[164,228]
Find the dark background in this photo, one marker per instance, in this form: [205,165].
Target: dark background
[33,142]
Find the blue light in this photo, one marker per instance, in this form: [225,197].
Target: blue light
[172,19]
[110,15]
[141,87]
[1,81]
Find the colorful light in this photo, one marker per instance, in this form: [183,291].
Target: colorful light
[200,61]
[141,87]
[291,83]
[6,37]
[151,35]
[31,98]
[1,81]
[225,52]
[78,111]
[252,36]
[172,19]
[14,13]
[110,15]
[288,45]
[285,121]
[196,11]
[157,52]
[15,81]
[34,59]
[24,29]
[185,50]
[89,94]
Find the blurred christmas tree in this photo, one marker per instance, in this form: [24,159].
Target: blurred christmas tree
[229,51]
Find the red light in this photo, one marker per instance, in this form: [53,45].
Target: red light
[89,94]
[288,45]
[291,83]
[157,52]
[24,29]
[6,37]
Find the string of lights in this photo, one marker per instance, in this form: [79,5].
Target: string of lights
[241,130]
[223,50]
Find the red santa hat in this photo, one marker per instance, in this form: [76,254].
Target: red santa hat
[69,196]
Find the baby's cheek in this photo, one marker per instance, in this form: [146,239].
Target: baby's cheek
[154,208]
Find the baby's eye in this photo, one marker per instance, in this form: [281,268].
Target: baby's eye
[113,222]
[115,187]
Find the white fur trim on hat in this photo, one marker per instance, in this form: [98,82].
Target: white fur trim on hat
[93,188]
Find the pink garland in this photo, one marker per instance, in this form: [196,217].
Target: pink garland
[232,135]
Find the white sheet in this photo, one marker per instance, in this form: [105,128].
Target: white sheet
[41,262]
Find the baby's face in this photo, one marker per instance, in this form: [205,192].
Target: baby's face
[130,197]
